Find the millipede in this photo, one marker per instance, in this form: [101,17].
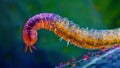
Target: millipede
[84,38]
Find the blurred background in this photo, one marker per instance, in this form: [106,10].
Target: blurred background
[97,14]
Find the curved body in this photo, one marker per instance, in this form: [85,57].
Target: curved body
[90,39]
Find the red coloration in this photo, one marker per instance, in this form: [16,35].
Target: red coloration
[116,46]
[103,48]
[31,27]
[86,57]
[29,40]
[89,39]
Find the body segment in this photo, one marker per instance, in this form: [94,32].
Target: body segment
[90,39]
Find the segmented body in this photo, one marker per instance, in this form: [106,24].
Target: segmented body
[90,39]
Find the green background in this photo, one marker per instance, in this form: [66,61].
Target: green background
[97,14]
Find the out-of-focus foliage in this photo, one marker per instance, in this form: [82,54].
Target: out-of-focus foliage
[110,12]
[50,51]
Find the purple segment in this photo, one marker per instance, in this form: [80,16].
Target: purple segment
[42,16]
[49,16]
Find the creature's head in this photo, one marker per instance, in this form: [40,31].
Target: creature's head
[30,38]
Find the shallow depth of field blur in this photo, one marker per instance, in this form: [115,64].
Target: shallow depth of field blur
[97,14]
